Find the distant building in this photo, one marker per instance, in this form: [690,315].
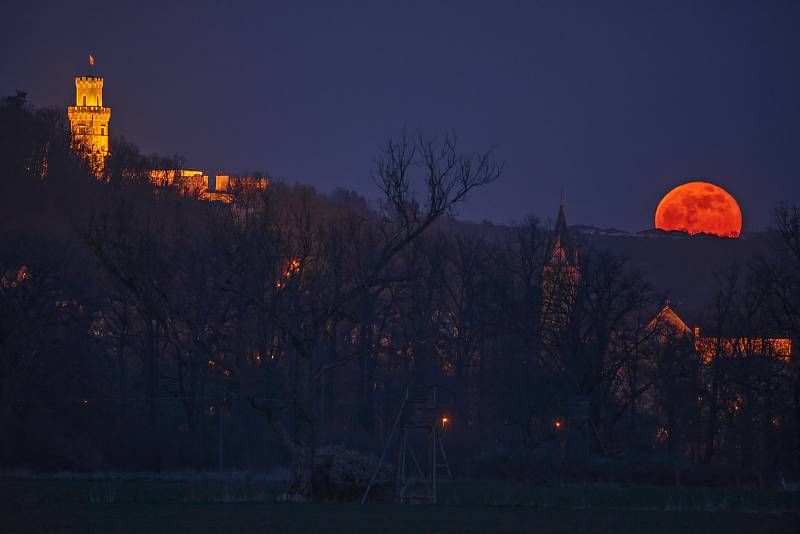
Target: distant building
[667,324]
[188,182]
[195,183]
[89,120]
[670,325]
[709,347]
[89,123]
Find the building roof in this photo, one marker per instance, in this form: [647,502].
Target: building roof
[561,223]
[563,249]
[670,321]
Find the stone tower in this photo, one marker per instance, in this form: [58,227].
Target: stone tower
[88,118]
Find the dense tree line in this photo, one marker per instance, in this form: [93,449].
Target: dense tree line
[141,329]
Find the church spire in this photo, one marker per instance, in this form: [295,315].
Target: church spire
[564,248]
[561,221]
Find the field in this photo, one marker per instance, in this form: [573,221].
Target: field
[124,504]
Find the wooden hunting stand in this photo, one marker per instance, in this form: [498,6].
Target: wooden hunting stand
[418,416]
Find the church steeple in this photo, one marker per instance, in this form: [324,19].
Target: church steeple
[560,278]
[563,248]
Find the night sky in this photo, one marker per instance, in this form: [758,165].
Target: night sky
[614,102]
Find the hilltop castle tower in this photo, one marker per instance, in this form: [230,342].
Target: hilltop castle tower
[88,118]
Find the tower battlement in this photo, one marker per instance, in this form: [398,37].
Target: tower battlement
[88,91]
[89,110]
[89,80]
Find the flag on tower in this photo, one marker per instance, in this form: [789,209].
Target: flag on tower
[91,60]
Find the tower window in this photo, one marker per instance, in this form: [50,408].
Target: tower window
[84,100]
[102,130]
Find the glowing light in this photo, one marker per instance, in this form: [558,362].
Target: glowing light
[91,60]
[696,207]
[662,434]
[9,280]
[292,267]
[737,403]
[211,363]
[558,423]
[445,421]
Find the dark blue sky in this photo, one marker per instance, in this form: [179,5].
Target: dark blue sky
[616,102]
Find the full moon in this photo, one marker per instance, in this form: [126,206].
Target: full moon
[696,207]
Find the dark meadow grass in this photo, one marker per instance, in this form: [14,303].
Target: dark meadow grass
[241,503]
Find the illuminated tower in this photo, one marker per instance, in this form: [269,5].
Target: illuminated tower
[89,119]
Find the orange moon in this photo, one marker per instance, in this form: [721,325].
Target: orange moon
[696,207]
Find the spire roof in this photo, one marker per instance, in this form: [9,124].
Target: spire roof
[563,249]
[561,222]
